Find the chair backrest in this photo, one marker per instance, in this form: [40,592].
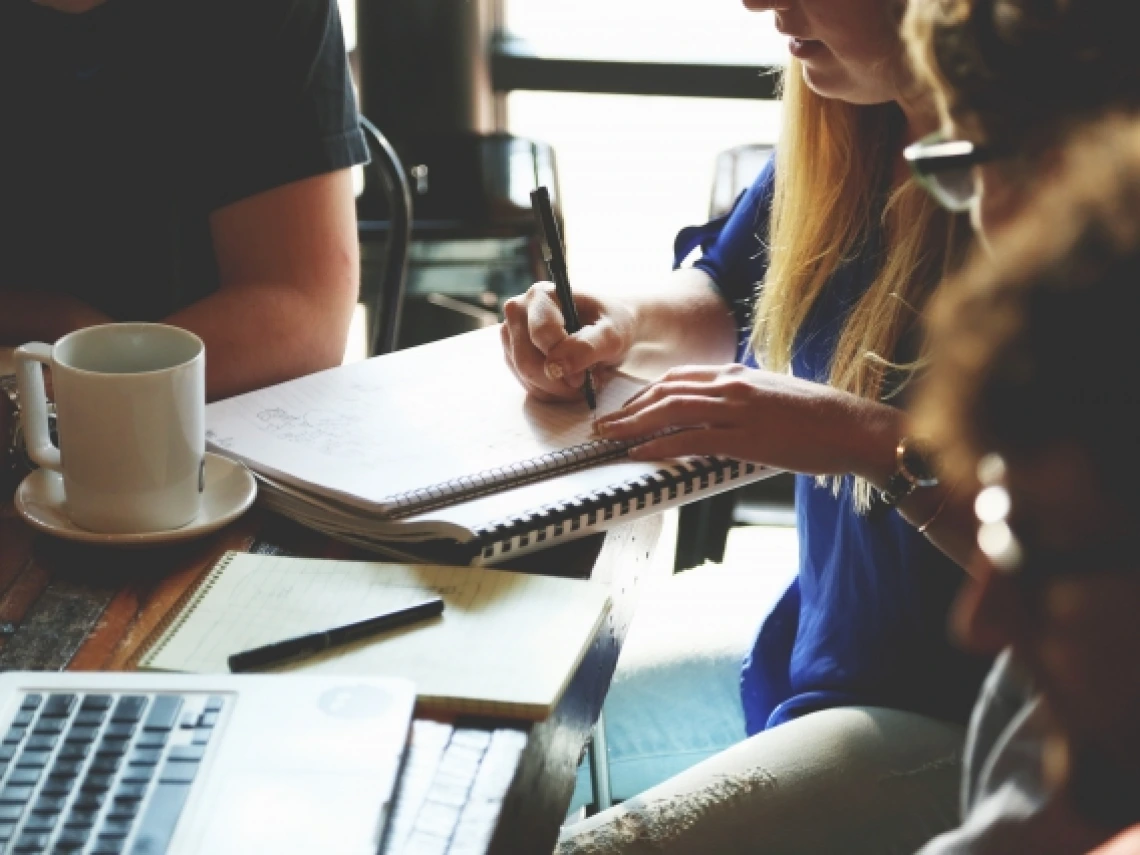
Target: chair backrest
[736,169]
[388,299]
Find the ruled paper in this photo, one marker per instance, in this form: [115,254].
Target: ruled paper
[506,643]
[371,432]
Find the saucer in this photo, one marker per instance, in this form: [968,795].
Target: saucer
[230,490]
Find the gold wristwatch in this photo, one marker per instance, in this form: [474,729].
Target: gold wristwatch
[914,468]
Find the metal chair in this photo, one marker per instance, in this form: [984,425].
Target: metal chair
[387,296]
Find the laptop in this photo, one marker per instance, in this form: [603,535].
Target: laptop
[143,764]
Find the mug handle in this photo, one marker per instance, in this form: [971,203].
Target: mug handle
[33,404]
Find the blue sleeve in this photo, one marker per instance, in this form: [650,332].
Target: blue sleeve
[734,248]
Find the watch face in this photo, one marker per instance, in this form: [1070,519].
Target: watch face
[919,464]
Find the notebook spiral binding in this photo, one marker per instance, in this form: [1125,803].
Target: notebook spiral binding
[494,480]
[181,612]
[556,521]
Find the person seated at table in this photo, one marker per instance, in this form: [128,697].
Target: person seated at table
[853,696]
[185,162]
[660,816]
[1032,387]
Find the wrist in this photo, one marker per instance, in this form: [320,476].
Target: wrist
[877,435]
[683,320]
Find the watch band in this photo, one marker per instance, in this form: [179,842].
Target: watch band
[898,488]
[913,469]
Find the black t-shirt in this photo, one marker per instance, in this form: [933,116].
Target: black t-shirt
[122,128]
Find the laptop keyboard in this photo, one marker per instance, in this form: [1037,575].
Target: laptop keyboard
[101,773]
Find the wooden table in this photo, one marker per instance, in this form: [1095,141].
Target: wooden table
[64,606]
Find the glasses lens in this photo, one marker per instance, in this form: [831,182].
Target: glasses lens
[953,188]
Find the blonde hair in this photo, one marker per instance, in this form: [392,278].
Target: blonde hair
[834,174]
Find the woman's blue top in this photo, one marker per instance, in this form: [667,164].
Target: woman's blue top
[865,621]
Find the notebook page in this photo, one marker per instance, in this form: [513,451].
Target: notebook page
[506,642]
[368,432]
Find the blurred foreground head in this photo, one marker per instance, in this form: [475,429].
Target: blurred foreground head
[1033,396]
[1017,77]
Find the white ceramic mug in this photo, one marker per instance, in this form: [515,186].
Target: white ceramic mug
[131,415]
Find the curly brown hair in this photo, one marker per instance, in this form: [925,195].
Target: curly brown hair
[1023,73]
[1036,344]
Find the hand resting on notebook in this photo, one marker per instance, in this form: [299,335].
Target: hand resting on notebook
[761,417]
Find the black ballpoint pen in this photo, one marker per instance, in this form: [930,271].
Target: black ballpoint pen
[555,256]
[315,642]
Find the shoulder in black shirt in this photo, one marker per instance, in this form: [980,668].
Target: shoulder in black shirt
[126,126]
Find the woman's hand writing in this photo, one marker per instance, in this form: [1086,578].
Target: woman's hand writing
[549,362]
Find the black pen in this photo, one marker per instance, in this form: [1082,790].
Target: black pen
[315,642]
[555,256]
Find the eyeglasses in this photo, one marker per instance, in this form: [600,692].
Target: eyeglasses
[1010,555]
[945,168]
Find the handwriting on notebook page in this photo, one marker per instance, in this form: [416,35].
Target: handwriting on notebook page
[383,427]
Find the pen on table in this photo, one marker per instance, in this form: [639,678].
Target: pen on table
[315,642]
[555,256]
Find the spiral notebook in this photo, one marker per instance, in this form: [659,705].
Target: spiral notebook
[468,660]
[437,451]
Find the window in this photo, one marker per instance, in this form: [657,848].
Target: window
[348,23]
[635,169]
[704,31]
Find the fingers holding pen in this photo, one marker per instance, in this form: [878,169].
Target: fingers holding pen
[545,323]
[525,358]
[549,362]
[603,342]
[539,351]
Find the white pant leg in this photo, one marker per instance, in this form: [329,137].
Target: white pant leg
[856,781]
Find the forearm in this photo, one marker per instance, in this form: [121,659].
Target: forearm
[26,316]
[947,513]
[289,266]
[257,334]
[683,321]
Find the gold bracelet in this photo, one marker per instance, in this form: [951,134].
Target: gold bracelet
[937,513]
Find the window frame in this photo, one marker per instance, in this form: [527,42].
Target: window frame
[514,66]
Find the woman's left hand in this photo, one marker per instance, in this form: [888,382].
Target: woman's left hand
[761,417]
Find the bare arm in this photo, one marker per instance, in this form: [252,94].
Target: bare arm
[789,423]
[683,321]
[289,265]
[28,317]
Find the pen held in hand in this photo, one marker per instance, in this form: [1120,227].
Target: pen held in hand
[268,655]
[555,256]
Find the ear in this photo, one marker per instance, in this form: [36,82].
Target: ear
[988,614]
